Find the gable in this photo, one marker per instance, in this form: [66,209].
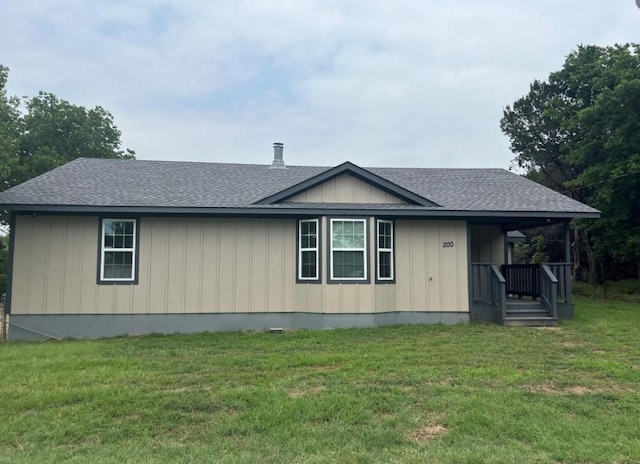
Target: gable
[345,188]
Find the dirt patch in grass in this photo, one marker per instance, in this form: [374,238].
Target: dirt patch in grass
[179,390]
[311,390]
[551,389]
[429,432]
[571,345]
[328,368]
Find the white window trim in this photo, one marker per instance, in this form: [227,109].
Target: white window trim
[104,249]
[364,278]
[316,249]
[384,250]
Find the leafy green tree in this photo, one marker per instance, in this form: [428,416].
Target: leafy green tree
[40,133]
[10,130]
[579,133]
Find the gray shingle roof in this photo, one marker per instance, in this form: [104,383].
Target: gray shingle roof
[169,184]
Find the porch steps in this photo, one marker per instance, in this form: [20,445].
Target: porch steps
[528,314]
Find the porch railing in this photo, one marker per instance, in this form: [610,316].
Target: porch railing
[489,286]
[522,279]
[548,289]
[562,272]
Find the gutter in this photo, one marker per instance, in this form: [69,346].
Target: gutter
[290,212]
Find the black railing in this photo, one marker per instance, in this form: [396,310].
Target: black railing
[522,279]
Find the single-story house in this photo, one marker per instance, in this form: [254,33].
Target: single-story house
[103,247]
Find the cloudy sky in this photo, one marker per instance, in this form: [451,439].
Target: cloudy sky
[378,82]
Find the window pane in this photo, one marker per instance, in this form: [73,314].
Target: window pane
[336,234]
[384,264]
[348,264]
[385,232]
[128,241]
[358,238]
[308,235]
[348,234]
[308,228]
[108,228]
[347,228]
[308,265]
[118,265]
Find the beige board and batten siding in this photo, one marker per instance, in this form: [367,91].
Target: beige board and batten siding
[345,189]
[487,244]
[209,265]
[352,297]
[186,265]
[432,266]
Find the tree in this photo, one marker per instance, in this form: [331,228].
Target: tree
[40,133]
[579,133]
[10,130]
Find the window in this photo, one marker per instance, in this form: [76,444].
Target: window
[308,255]
[118,250]
[384,241]
[348,249]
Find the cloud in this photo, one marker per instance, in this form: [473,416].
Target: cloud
[407,83]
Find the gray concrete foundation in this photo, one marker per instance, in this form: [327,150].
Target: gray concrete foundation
[42,326]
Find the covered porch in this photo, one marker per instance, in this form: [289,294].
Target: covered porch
[516,294]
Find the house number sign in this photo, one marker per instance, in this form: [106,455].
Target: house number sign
[447,244]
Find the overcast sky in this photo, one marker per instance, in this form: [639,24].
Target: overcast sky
[378,83]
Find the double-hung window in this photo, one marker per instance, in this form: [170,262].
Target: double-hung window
[348,254]
[384,243]
[118,250]
[308,250]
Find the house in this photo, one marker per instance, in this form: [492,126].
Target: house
[108,247]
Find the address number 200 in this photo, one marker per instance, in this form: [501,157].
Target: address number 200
[447,244]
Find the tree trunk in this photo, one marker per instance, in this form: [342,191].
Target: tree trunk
[582,245]
[591,259]
[575,249]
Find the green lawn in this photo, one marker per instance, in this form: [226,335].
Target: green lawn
[468,393]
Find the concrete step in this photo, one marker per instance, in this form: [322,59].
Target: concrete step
[531,321]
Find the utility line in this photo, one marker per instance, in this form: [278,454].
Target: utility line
[602,181]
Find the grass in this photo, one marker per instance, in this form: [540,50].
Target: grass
[622,290]
[413,394]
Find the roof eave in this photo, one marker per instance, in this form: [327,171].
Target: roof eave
[290,212]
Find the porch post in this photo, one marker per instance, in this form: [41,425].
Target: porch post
[567,242]
[505,246]
[567,258]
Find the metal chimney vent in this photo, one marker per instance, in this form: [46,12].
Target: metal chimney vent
[278,162]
